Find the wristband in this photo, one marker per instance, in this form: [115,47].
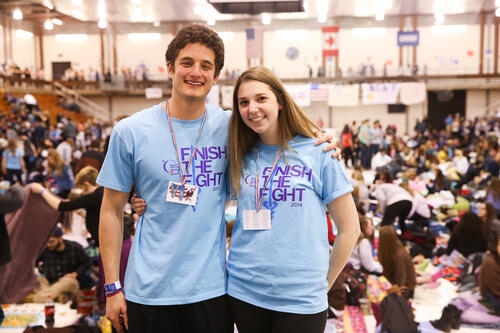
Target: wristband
[112,287]
[114,292]
[42,191]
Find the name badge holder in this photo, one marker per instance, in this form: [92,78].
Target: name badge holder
[182,193]
[259,219]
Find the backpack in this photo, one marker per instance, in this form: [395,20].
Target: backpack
[397,316]
[355,281]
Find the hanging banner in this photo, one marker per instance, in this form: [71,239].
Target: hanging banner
[330,41]
[213,97]
[412,93]
[227,97]
[319,92]
[301,93]
[343,95]
[380,93]
[153,93]
[408,38]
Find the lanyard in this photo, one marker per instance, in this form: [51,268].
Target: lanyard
[183,178]
[258,201]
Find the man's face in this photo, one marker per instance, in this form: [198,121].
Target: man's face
[193,73]
[53,243]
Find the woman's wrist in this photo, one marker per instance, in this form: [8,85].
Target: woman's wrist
[42,191]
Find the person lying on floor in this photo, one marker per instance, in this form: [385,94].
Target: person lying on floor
[65,267]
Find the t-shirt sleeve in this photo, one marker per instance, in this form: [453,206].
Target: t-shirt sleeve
[117,170]
[334,180]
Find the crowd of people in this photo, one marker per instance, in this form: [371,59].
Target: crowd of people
[442,187]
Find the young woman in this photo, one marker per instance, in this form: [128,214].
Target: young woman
[467,236]
[278,267]
[362,255]
[396,261]
[13,163]
[63,177]
[489,276]
[346,139]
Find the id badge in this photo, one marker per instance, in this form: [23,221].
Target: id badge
[257,220]
[185,195]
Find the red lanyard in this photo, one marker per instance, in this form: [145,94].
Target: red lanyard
[183,178]
[258,201]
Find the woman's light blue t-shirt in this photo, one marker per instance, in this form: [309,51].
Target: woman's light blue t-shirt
[285,268]
[13,160]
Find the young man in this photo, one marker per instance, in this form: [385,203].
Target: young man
[176,156]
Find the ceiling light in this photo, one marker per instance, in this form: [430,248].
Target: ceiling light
[24,34]
[497,12]
[439,17]
[48,25]
[102,24]
[57,21]
[322,18]
[77,3]
[101,10]
[388,4]
[266,18]
[379,16]
[156,24]
[17,14]
[198,9]
[71,38]
[137,2]
[365,32]
[78,14]
[48,4]
[144,36]
[497,3]
[449,29]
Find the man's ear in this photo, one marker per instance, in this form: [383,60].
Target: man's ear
[170,69]
[216,78]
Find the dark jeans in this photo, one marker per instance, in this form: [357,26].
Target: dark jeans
[208,316]
[399,209]
[366,156]
[13,175]
[253,319]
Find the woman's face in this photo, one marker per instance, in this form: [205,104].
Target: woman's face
[498,247]
[50,160]
[369,228]
[259,110]
[481,210]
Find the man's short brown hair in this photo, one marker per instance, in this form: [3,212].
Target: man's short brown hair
[196,33]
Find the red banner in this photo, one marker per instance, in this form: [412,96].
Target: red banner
[330,41]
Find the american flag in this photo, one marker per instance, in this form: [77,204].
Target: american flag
[319,92]
[255,43]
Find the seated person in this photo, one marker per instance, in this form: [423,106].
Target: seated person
[468,237]
[362,255]
[489,277]
[65,267]
[396,261]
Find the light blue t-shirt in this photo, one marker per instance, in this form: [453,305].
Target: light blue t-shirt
[13,160]
[285,268]
[178,255]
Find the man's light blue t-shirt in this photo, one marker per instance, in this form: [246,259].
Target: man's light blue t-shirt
[178,255]
[285,268]
[12,161]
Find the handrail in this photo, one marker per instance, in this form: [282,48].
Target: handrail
[84,103]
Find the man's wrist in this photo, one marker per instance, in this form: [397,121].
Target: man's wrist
[113,288]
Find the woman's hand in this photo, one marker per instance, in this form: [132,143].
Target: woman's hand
[138,204]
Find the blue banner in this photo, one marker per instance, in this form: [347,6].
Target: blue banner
[408,38]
